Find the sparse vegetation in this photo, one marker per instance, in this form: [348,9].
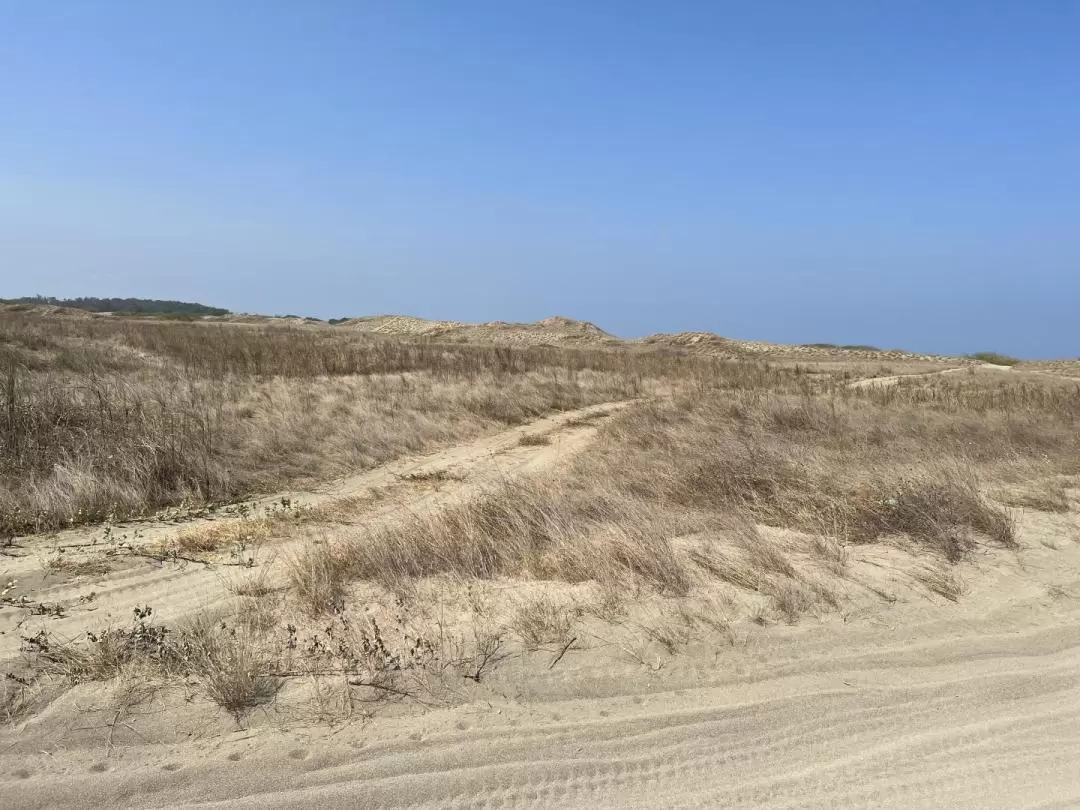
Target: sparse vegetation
[841,467]
[728,492]
[1043,496]
[941,581]
[542,621]
[106,419]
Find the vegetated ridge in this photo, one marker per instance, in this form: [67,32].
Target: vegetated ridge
[125,306]
[556,330]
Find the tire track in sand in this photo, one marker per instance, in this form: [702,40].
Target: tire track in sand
[179,589]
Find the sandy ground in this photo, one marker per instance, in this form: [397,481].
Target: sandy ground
[1023,372]
[893,379]
[176,590]
[909,701]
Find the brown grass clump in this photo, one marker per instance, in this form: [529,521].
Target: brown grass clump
[234,669]
[942,582]
[762,554]
[726,567]
[534,440]
[808,464]
[542,621]
[94,565]
[241,533]
[523,529]
[792,599]
[230,667]
[832,552]
[317,575]
[941,510]
[1049,496]
[254,585]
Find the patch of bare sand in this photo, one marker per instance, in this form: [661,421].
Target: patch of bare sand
[900,699]
[1026,372]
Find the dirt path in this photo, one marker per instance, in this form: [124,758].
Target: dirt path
[179,588]
[885,382]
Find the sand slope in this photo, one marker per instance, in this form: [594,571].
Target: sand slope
[916,702]
[976,705]
[176,590]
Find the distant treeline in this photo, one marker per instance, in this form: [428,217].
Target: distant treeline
[134,306]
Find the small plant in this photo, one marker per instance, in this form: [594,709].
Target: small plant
[791,600]
[942,582]
[255,585]
[233,672]
[317,575]
[534,440]
[541,621]
[431,476]
[832,552]
[487,652]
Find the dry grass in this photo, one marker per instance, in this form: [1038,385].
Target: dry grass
[864,471]
[432,476]
[841,467]
[249,530]
[726,567]
[745,484]
[229,664]
[534,440]
[94,565]
[519,529]
[232,666]
[832,552]
[254,585]
[541,622]
[317,575]
[1046,496]
[941,581]
[792,599]
[103,419]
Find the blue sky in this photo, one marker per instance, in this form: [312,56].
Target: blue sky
[899,173]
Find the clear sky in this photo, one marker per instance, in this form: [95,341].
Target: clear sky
[904,173]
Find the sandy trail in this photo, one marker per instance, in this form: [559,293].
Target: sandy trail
[178,589]
[894,379]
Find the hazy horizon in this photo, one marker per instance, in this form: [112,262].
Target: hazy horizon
[904,175]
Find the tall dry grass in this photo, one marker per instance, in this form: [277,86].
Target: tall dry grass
[673,488]
[104,418]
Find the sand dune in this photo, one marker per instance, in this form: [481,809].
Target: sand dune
[917,702]
[916,705]
[176,590]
